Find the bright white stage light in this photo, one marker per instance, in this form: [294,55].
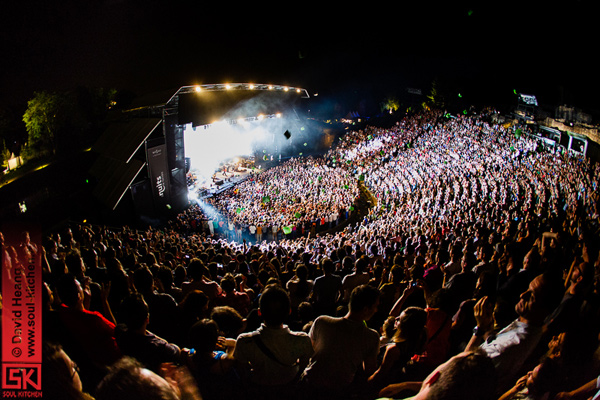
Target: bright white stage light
[209,148]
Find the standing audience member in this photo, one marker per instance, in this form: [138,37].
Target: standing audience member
[345,348]
[230,296]
[162,306]
[199,280]
[136,341]
[192,308]
[327,289]
[87,336]
[299,287]
[212,363]
[273,357]
[358,277]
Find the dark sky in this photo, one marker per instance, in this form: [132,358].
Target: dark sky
[545,49]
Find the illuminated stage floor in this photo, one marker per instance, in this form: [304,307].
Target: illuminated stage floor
[221,182]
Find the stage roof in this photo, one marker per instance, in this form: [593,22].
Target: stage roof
[122,139]
[115,177]
[115,168]
[206,104]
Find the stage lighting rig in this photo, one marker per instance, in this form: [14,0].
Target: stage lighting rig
[238,86]
[171,107]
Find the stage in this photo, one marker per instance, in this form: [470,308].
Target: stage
[201,187]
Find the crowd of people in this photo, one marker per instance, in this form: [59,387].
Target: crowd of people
[474,275]
[289,200]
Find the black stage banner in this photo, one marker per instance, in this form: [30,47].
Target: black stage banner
[159,175]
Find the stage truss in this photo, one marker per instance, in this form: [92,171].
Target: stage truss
[172,105]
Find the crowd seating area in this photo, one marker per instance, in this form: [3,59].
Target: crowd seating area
[473,274]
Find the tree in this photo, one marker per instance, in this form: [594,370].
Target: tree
[4,124]
[45,117]
[12,133]
[435,100]
[391,105]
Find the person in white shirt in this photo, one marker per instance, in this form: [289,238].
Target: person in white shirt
[343,347]
[273,356]
[510,348]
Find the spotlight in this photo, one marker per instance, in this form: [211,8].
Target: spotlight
[198,89]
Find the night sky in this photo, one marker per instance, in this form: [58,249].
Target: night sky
[546,49]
